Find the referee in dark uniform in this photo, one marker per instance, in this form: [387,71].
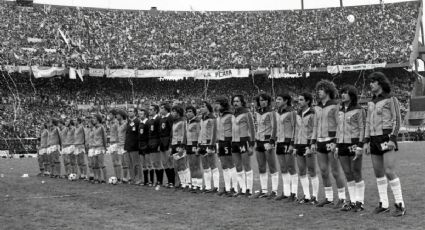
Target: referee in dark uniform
[143,144]
[131,146]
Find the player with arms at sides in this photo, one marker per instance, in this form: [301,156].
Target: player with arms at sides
[143,145]
[382,127]
[206,142]
[324,142]
[80,151]
[350,138]
[306,159]
[193,130]
[98,149]
[166,123]
[63,130]
[286,121]
[224,136]
[113,143]
[131,146]
[265,146]
[122,129]
[71,147]
[243,141]
[178,145]
[42,155]
[154,140]
[54,143]
[88,135]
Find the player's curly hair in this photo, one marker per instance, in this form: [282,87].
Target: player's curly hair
[382,81]
[224,103]
[264,96]
[122,113]
[307,97]
[98,118]
[352,93]
[286,97]
[241,98]
[327,86]
[191,108]
[178,109]
[208,105]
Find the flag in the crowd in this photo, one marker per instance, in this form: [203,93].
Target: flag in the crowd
[80,74]
[63,36]
[72,74]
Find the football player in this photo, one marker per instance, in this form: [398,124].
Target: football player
[286,120]
[350,138]
[382,127]
[265,145]
[324,142]
[243,139]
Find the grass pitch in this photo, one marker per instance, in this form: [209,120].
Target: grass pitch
[28,203]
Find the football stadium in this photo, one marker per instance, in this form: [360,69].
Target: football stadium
[207,114]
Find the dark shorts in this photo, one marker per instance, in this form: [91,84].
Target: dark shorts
[260,146]
[241,146]
[323,147]
[300,149]
[224,148]
[378,142]
[203,149]
[174,149]
[191,149]
[282,148]
[347,149]
[164,144]
[143,148]
[153,146]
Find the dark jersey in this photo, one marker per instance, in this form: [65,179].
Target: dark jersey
[166,125]
[143,132]
[154,126]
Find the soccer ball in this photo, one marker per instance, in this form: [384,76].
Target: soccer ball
[113,180]
[351,18]
[72,177]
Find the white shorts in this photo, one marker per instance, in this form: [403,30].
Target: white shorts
[42,151]
[68,150]
[52,149]
[71,149]
[112,148]
[120,150]
[79,149]
[96,151]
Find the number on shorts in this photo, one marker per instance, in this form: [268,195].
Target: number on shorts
[226,150]
[328,147]
[243,149]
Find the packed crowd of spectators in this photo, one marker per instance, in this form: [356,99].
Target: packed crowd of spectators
[194,40]
[27,102]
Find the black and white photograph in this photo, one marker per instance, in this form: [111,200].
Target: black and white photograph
[212,114]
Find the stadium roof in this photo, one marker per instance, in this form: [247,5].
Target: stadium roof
[212,5]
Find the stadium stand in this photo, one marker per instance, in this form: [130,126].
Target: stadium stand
[195,40]
[101,38]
